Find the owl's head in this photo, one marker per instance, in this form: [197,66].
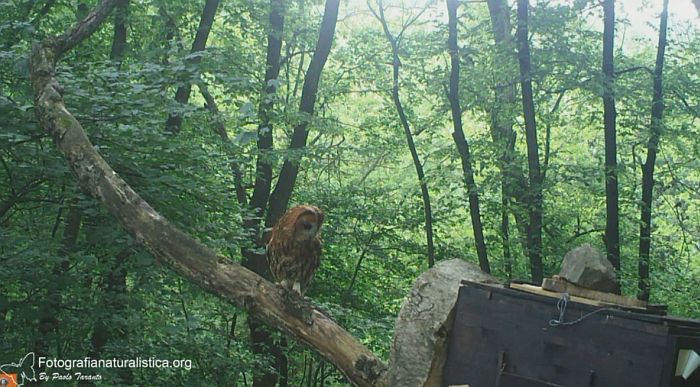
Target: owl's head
[308,221]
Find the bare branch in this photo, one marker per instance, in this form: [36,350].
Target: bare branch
[633,69]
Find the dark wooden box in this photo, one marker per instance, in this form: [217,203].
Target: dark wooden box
[503,337]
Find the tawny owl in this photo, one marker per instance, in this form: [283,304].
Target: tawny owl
[294,250]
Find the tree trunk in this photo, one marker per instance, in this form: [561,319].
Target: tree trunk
[114,301]
[657,112]
[514,184]
[264,345]
[460,139]
[50,311]
[505,232]
[279,199]
[534,235]
[182,95]
[253,258]
[425,195]
[263,167]
[120,33]
[170,29]
[612,226]
[220,127]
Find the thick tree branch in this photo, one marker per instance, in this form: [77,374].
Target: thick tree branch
[170,245]
[82,30]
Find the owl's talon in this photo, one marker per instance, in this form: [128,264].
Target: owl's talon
[298,307]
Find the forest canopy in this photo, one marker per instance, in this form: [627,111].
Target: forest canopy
[504,133]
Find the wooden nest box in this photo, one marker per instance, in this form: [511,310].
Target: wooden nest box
[528,336]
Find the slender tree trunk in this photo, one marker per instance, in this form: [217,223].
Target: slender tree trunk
[50,310]
[260,336]
[534,235]
[170,28]
[409,136]
[220,127]
[461,140]
[263,166]
[182,95]
[505,232]
[279,199]
[514,185]
[119,41]
[264,344]
[114,302]
[657,112]
[283,364]
[367,245]
[612,227]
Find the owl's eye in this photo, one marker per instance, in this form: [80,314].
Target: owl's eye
[307,225]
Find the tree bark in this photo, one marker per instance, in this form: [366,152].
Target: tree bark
[263,166]
[253,258]
[534,234]
[657,112]
[114,301]
[170,29]
[425,194]
[461,140]
[505,233]
[120,32]
[612,223]
[49,320]
[514,184]
[279,199]
[167,243]
[182,95]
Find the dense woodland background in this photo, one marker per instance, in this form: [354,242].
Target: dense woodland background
[192,120]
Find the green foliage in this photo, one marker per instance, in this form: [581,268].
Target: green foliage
[356,167]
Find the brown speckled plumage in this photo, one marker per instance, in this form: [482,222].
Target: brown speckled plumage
[294,249]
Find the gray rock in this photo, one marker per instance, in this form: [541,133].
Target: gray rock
[422,327]
[587,267]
